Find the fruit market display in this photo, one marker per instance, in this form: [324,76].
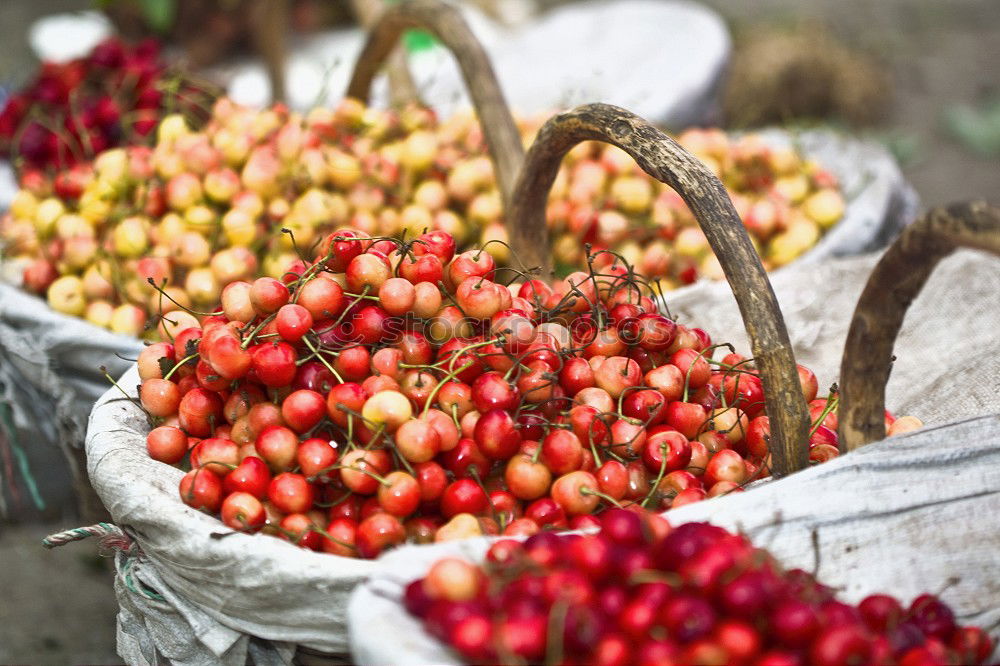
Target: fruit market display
[71,112]
[388,391]
[202,209]
[638,592]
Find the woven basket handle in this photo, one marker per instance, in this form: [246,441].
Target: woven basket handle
[447,25]
[894,283]
[662,158]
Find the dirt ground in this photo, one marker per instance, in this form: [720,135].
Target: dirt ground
[58,606]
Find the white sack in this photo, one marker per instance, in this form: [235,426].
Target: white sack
[49,377]
[902,516]
[219,592]
[947,352]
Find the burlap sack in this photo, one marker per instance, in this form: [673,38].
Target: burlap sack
[887,518]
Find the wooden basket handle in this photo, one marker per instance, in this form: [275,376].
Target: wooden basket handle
[662,158]
[893,285]
[402,89]
[447,25]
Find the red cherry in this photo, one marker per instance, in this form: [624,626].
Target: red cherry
[378,532]
[463,496]
[201,489]
[250,476]
[293,321]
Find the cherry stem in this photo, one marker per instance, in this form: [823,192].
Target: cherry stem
[179,364]
[659,477]
[586,490]
[447,378]
[322,360]
[114,383]
[180,305]
[253,333]
[831,404]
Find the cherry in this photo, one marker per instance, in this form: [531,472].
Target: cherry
[794,623]
[425,268]
[300,529]
[464,496]
[523,637]
[465,459]
[686,417]
[880,612]
[575,493]
[418,441]
[277,446]
[932,616]
[473,638]
[323,298]
[453,579]
[291,493]
[267,295]
[840,646]
[444,426]
[545,512]
[303,409]
[587,425]
[526,478]
[360,467]
[215,454]
[166,444]
[343,400]
[250,476]
[293,321]
[613,649]
[201,489]
[242,511]
[274,363]
[344,536]
[198,410]
[397,296]
[726,465]
[616,374]
[496,434]
[316,456]
[491,391]
[562,452]
[399,494]
[666,452]
[645,405]
[378,532]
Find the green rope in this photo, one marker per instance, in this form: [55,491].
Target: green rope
[130,583]
[6,420]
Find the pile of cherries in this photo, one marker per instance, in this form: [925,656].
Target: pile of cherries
[72,111]
[390,390]
[637,592]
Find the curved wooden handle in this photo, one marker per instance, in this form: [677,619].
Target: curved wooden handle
[662,158]
[894,283]
[402,89]
[448,26]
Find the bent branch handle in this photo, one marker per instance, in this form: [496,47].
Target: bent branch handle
[893,285]
[448,26]
[402,89]
[662,158]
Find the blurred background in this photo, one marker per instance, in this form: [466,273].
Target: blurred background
[918,76]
